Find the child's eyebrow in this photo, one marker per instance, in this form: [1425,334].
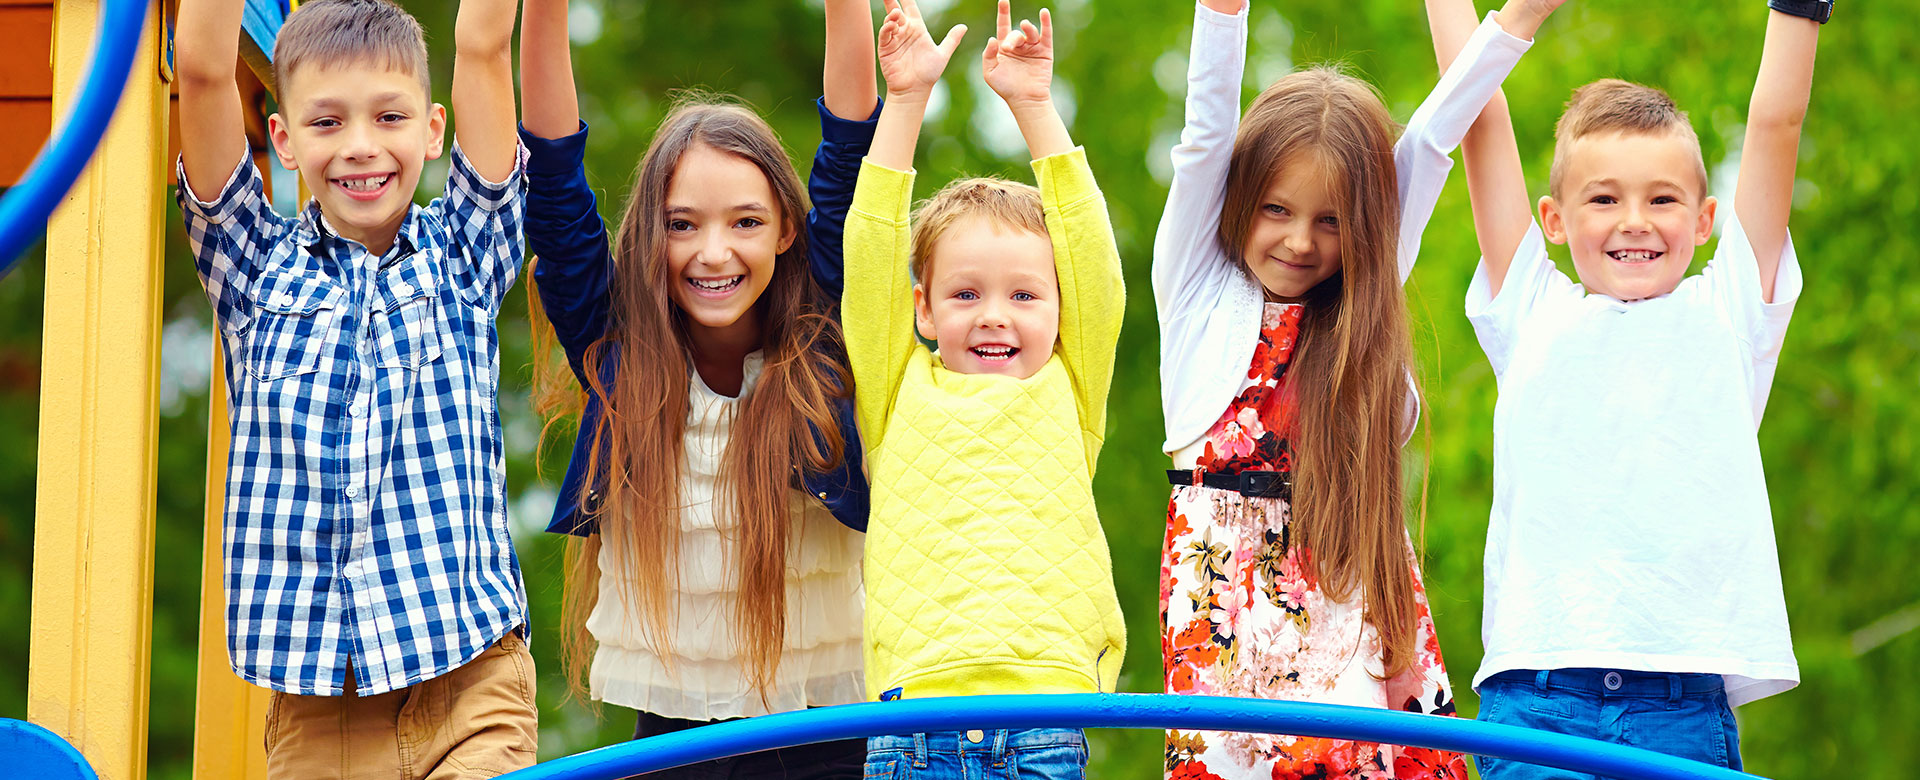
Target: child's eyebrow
[337,104]
[749,206]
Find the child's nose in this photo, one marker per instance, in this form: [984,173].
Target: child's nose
[994,314]
[1635,220]
[359,144]
[714,247]
[1298,241]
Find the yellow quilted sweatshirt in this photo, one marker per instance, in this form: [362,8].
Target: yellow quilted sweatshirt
[986,567]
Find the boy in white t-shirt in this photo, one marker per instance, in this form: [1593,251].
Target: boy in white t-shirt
[1632,588]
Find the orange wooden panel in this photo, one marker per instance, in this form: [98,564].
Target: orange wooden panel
[25,67]
[24,125]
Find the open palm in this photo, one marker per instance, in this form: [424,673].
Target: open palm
[909,59]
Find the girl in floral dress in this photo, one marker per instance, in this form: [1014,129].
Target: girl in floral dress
[1288,572]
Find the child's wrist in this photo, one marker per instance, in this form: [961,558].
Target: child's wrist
[1031,108]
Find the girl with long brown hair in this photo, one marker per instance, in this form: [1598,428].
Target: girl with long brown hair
[1288,571]
[716,484]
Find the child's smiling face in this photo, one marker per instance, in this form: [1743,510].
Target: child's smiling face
[724,231]
[992,299]
[1633,211]
[359,134]
[1293,243]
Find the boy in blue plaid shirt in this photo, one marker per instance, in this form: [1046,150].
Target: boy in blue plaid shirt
[371,582]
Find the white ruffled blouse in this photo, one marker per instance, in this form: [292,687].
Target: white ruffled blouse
[702,674]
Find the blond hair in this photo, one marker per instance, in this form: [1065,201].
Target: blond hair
[332,33]
[1616,106]
[1354,351]
[1010,203]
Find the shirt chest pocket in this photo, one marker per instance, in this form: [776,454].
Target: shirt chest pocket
[407,327]
[295,324]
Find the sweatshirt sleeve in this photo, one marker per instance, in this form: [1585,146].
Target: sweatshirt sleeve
[1093,297]
[1423,155]
[876,309]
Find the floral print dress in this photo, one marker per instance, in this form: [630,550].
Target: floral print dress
[1241,617]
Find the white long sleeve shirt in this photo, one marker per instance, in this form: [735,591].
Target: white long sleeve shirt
[1209,309]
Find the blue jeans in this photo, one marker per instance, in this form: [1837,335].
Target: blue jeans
[1026,754]
[1683,715]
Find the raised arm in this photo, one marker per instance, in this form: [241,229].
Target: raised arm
[911,64]
[1189,267]
[1496,182]
[549,106]
[213,139]
[1764,196]
[847,77]
[1018,65]
[483,86]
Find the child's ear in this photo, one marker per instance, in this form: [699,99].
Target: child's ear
[437,128]
[790,229]
[923,314]
[1552,222]
[1704,230]
[277,133]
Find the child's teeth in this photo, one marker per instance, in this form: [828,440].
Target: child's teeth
[715,284]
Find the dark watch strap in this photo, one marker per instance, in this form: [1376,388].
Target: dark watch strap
[1817,10]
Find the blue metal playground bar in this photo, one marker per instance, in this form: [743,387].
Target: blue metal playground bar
[24,210]
[1116,710]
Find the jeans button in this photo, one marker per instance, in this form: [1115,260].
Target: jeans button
[975,736]
[1612,681]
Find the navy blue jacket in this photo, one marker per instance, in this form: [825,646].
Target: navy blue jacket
[565,231]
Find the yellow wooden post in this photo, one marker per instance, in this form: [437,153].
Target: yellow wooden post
[92,624]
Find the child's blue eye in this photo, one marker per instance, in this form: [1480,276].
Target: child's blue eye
[1275,209]
[1024,297]
[1330,221]
[966,295]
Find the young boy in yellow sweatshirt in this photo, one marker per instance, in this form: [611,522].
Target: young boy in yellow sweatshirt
[987,570]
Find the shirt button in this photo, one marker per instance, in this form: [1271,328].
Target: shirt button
[284,299]
[975,736]
[1612,681]
[402,290]
[357,408]
[352,491]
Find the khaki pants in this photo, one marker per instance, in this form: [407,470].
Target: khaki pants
[476,721]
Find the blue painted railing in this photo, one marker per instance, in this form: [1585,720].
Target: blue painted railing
[1111,710]
[24,209]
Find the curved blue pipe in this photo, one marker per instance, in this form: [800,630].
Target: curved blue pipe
[1117,710]
[24,210]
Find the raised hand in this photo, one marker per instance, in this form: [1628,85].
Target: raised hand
[909,60]
[1018,64]
[1521,18]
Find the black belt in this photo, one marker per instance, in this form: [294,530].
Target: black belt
[1264,484]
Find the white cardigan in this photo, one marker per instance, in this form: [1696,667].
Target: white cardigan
[1209,309]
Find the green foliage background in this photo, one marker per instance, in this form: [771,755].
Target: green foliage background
[1840,436]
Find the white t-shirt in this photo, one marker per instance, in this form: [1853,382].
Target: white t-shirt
[1630,523]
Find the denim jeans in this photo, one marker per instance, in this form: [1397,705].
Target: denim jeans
[836,760]
[1026,754]
[1683,715]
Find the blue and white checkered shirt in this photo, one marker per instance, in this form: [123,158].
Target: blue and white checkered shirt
[366,480]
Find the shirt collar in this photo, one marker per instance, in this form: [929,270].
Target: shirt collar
[313,229]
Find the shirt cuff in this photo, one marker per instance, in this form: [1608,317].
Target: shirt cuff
[547,157]
[489,196]
[835,130]
[1065,178]
[245,178]
[883,192]
[1490,28]
[1204,15]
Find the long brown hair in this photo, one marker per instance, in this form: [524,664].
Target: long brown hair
[1350,372]
[639,440]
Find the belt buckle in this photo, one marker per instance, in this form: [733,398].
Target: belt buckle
[1265,484]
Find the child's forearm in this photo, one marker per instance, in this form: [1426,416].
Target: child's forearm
[848,73]
[898,132]
[206,49]
[1043,128]
[550,107]
[1781,90]
[483,86]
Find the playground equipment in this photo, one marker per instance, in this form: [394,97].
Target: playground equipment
[92,602]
